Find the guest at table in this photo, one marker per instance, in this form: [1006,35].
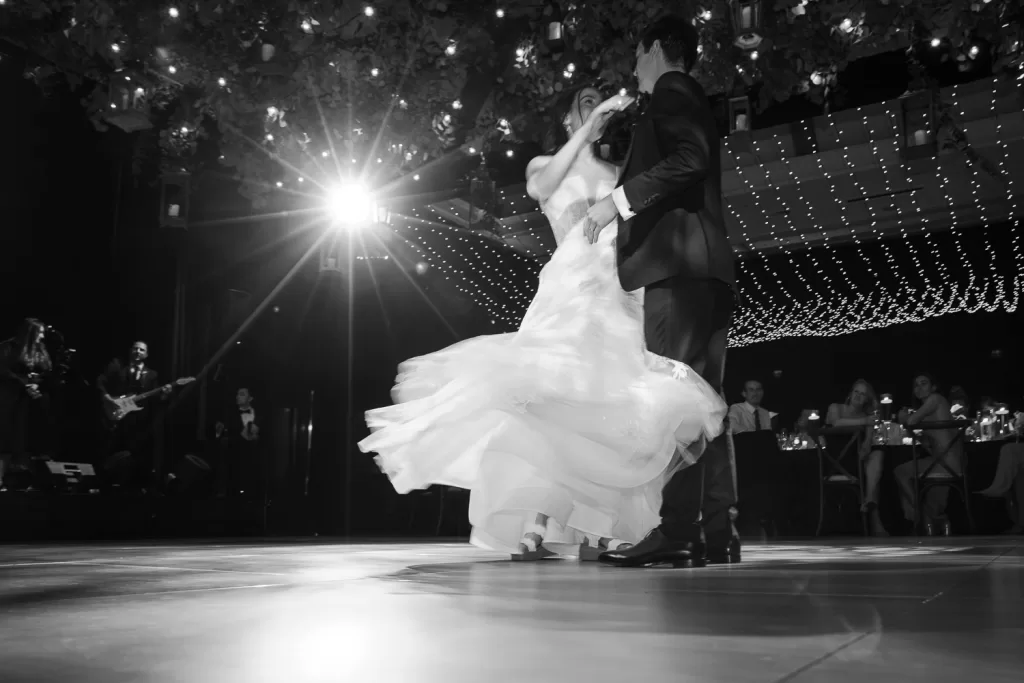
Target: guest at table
[942,445]
[749,416]
[1009,479]
[859,410]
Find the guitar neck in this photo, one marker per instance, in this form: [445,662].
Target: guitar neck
[152,392]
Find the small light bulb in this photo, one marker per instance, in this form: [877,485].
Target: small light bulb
[457,104]
[450,50]
[325,154]
[754,55]
[374,72]
[622,92]
[173,11]
[472,150]
[222,81]
[279,183]
[500,13]
[975,50]
[936,42]
[510,153]
[172,69]
[270,137]
[184,129]
[416,177]
[115,47]
[846,24]
[706,15]
[570,67]
[368,11]
[301,180]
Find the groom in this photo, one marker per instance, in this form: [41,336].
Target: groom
[672,242]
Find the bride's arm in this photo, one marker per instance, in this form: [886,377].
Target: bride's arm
[545,173]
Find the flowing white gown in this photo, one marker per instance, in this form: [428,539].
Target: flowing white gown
[570,416]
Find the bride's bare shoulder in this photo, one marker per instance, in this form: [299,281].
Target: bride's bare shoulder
[537,163]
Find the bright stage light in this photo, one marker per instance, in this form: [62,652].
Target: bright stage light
[351,204]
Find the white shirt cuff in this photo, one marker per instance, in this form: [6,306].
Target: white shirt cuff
[622,204]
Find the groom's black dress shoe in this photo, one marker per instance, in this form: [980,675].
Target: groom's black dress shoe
[727,552]
[657,549]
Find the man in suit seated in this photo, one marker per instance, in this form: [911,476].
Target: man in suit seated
[240,464]
[756,460]
[749,416]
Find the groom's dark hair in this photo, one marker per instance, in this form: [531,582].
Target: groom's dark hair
[678,39]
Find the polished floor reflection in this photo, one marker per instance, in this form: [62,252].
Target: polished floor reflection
[292,612]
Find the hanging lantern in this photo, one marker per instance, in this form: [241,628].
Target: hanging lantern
[917,111]
[174,191]
[483,197]
[331,255]
[554,31]
[739,114]
[747,20]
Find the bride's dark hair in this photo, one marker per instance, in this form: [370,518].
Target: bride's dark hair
[557,135]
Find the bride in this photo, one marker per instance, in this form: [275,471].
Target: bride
[565,430]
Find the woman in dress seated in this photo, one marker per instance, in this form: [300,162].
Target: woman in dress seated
[859,411]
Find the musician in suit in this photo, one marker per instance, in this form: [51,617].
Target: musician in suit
[26,427]
[131,438]
[239,465]
[672,242]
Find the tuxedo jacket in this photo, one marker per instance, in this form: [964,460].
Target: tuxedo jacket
[234,423]
[672,182]
[118,380]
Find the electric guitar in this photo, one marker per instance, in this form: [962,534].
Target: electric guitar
[118,407]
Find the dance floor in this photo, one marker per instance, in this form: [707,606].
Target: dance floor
[293,612]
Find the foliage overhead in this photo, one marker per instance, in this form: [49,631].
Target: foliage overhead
[302,90]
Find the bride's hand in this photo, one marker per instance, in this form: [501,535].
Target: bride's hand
[602,114]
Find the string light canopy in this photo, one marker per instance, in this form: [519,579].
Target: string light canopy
[366,82]
[847,238]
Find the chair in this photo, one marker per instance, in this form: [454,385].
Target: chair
[939,473]
[834,471]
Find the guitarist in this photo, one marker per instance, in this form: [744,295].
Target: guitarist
[131,434]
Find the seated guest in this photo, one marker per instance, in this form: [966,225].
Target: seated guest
[859,410]
[749,416]
[940,444]
[1009,477]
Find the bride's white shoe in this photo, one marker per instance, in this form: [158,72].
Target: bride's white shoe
[589,553]
[531,546]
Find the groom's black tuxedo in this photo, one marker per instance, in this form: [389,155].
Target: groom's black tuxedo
[672,181]
[672,242]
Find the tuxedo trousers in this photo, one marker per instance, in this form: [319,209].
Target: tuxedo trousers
[688,320]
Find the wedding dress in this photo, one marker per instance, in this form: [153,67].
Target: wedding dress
[570,416]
